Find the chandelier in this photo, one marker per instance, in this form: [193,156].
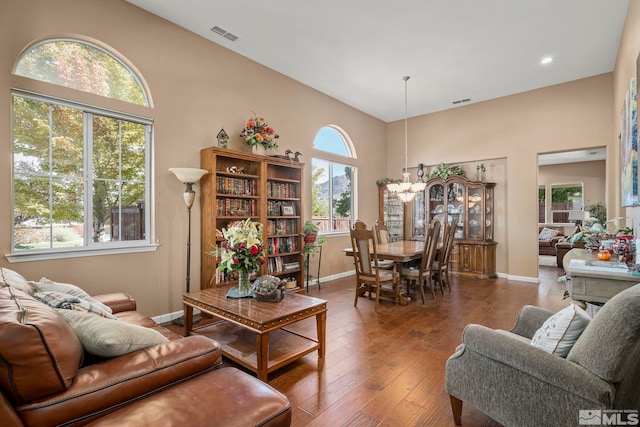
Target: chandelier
[405,190]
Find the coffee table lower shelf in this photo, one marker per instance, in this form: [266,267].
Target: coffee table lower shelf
[241,345]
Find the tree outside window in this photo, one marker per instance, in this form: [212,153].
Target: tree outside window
[79,172]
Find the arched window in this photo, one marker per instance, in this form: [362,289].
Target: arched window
[82,66]
[333,181]
[80,172]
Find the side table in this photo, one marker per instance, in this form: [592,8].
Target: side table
[308,250]
[594,280]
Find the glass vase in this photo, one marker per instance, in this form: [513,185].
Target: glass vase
[244,284]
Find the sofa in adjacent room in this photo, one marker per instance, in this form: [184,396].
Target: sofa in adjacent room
[67,358]
[548,236]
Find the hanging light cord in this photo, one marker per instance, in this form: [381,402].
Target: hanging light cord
[406,118]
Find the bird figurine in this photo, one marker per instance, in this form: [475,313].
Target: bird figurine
[296,156]
[286,153]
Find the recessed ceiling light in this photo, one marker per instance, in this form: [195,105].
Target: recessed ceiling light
[546,60]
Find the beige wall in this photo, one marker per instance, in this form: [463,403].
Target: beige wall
[197,87]
[556,118]
[591,174]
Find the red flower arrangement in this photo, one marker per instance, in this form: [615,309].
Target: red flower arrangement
[258,132]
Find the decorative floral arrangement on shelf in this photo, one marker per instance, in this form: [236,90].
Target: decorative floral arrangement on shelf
[444,171]
[258,132]
[243,249]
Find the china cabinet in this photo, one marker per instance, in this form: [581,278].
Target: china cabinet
[391,211]
[468,205]
[266,189]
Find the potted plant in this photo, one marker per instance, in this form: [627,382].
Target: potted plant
[310,232]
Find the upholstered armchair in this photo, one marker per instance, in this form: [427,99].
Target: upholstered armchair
[517,384]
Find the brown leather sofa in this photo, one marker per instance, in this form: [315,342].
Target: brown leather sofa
[46,378]
[548,247]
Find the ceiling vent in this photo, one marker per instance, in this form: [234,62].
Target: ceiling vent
[224,33]
[461,101]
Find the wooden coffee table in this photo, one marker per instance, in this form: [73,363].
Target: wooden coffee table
[253,333]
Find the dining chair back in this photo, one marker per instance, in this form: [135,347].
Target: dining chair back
[441,265]
[370,277]
[382,232]
[423,274]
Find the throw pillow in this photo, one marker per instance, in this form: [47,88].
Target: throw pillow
[46,285]
[70,302]
[561,331]
[548,234]
[110,338]
[11,278]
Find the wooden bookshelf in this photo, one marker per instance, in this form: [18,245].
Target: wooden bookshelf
[243,185]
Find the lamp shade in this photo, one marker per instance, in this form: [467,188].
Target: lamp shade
[576,215]
[190,175]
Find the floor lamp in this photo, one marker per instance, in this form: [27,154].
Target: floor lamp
[188,176]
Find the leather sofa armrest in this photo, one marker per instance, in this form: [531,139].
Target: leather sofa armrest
[118,301]
[529,320]
[525,359]
[124,379]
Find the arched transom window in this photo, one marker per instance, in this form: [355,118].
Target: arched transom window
[82,66]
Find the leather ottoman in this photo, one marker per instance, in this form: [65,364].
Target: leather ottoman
[222,397]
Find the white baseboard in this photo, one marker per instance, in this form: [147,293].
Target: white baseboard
[523,278]
[170,317]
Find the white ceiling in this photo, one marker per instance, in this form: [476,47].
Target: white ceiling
[358,51]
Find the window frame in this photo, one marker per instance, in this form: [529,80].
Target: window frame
[332,159]
[120,61]
[89,248]
[549,210]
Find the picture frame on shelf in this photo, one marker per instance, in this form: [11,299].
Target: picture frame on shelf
[288,210]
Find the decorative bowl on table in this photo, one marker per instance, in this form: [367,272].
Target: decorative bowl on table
[268,288]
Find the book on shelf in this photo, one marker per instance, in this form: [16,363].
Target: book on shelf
[291,266]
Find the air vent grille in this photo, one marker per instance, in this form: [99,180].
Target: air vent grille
[461,101]
[224,33]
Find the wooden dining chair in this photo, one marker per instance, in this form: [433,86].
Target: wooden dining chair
[423,275]
[441,265]
[369,276]
[382,233]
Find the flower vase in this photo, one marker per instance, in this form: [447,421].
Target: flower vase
[244,284]
[259,149]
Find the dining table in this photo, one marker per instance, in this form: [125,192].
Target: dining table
[399,252]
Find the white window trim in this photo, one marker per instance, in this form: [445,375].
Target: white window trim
[43,255]
[90,250]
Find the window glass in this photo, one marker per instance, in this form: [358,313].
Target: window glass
[329,139]
[79,177]
[332,184]
[565,198]
[82,66]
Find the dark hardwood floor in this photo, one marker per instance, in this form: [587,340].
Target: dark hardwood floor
[386,368]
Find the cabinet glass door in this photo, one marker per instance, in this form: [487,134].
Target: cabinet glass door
[436,203]
[393,215]
[475,213]
[488,215]
[418,216]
